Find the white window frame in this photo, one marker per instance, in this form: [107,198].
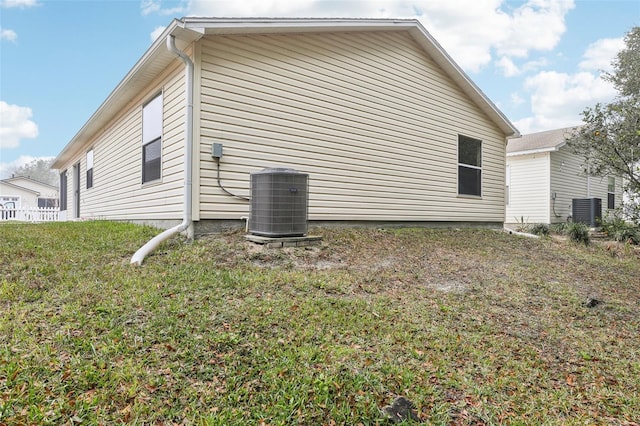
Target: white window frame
[64,192]
[151,134]
[90,169]
[610,192]
[470,166]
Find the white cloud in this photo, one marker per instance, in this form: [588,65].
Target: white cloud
[601,53]
[275,8]
[156,33]
[18,3]
[147,7]
[15,124]
[470,30]
[516,99]
[9,35]
[508,67]
[557,99]
[536,25]
[534,65]
[473,30]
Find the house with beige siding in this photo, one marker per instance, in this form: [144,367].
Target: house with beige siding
[386,125]
[543,177]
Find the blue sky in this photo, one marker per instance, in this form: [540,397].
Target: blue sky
[538,60]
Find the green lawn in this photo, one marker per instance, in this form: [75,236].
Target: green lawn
[474,327]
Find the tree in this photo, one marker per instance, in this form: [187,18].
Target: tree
[609,140]
[40,170]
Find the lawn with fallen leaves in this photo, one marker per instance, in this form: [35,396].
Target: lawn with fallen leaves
[473,327]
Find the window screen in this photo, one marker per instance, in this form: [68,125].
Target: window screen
[89,169]
[152,140]
[469,166]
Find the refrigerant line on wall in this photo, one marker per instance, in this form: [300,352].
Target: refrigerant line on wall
[225,189]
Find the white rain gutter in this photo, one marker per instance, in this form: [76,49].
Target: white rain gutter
[153,243]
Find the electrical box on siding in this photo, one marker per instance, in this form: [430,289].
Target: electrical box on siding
[279,203]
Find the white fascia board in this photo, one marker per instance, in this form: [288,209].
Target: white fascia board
[136,79]
[538,151]
[442,58]
[290,25]
[21,188]
[532,151]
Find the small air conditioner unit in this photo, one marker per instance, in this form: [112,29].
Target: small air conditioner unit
[587,211]
[279,203]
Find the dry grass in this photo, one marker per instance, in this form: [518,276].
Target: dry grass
[474,327]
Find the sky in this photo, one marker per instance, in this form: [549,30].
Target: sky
[539,61]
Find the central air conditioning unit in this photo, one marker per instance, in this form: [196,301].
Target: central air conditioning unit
[279,203]
[587,211]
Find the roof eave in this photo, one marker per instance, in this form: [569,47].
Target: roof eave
[217,26]
[553,148]
[135,80]
[531,151]
[190,29]
[220,26]
[22,188]
[442,58]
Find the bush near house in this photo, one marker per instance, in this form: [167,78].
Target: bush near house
[472,326]
[620,230]
[578,232]
[540,229]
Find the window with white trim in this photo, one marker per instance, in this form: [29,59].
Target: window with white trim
[8,206]
[469,166]
[90,168]
[152,140]
[611,193]
[63,190]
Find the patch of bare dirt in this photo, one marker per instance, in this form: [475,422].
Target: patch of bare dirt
[376,257]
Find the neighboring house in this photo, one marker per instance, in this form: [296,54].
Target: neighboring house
[22,192]
[387,126]
[543,178]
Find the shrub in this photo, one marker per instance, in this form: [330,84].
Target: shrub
[540,229]
[578,232]
[628,235]
[559,228]
[620,230]
[521,225]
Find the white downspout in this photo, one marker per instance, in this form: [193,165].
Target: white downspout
[153,243]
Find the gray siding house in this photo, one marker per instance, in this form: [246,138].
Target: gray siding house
[543,177]
[387,126]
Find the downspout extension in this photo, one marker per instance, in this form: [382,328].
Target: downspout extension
[153,243]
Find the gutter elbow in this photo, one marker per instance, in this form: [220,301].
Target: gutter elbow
[153,243]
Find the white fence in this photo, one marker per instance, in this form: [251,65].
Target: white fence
[32,214]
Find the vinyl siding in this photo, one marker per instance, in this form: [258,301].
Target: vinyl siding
[569,181]
[118,192]
[26,198]
[370,117]
[529,189]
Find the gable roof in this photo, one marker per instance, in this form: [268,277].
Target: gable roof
[533,143]
[14,180]
[190,29]
[21,188]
